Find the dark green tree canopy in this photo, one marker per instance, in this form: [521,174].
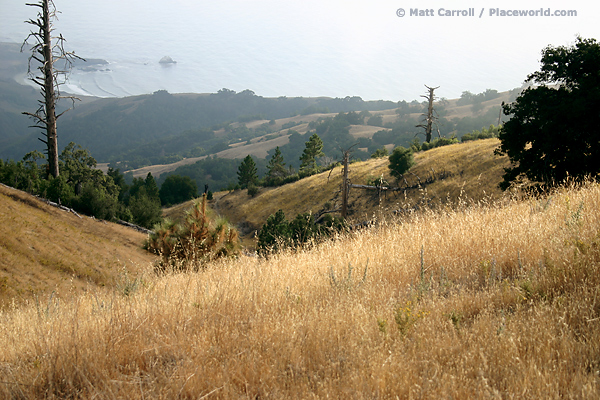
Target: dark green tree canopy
[401,160]
[177,189]
[553,132]
[276,166]
[312,151]
[247,172]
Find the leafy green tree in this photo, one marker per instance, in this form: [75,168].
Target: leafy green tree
[144,201]
[380,153]
[375,120]
[97,200]
[94,193]
[552,133]
[58,190]
[247,172]
[79,166]
[145,209]
[29,174]
[313,150]
[401,160]
[119,180]
[177,189]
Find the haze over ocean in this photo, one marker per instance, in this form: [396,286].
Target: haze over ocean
[310,48]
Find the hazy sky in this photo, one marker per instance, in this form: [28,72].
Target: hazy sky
[326,47]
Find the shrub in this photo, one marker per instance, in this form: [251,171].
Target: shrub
[439,142]
[197,240]
[488,133]
[380,153]
[377,181]
[277,233]
[253,190]
[401,161]
[95,200]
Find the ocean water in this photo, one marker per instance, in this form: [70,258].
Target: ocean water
[309,48]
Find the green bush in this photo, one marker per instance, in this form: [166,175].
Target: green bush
[253,190]
[401,160]
[439,142]
[380,153]
[277,233]
[197,240]
[377,181]
[94,200]
[58,191]
[488,133]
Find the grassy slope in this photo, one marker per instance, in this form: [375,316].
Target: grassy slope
[43,249]
[472,170]
[508,307]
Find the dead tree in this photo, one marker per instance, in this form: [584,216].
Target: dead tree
[48,50]
[429,117]
[345,185]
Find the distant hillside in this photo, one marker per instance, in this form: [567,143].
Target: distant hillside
[44,249]
[461,172]
[110,128]
[365,132]
[164,128]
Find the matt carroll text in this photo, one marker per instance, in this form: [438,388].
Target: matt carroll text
[440,12]
[492,12]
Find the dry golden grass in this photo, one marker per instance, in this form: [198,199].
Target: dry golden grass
[44,249]
[472,171]
[475,300]
[256,148]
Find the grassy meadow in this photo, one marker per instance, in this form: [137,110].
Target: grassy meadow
[45,250]
[484,298]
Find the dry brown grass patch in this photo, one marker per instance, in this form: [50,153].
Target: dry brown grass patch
[44,249]
[507,306]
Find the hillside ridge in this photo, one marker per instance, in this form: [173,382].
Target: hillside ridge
[445,175]
[44,250]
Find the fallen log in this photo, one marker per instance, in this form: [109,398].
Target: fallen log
[392,189]
[134,226]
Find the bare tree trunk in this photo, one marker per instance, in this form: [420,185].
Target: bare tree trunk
[49,98]
[429,118]
[46,53]
[345,186]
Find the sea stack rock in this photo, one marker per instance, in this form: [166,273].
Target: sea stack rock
[167,60]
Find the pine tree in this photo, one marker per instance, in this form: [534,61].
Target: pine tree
[247,172]
[151,187]
[276,166]
[313,150]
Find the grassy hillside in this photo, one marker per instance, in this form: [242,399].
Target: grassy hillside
[44,249]
[487,300]
[468,170]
